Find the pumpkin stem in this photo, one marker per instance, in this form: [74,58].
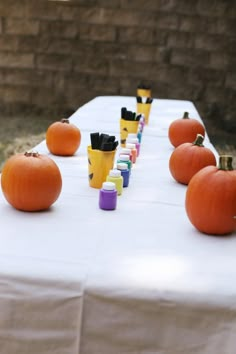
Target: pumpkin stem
[225,163]
[186,115]
[31,153]
[199,140]
[65,120]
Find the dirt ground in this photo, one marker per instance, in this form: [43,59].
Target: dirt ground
[21,133]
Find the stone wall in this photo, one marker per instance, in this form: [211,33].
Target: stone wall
[56,55]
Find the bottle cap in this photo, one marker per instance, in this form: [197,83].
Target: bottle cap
[108,186]
[132,141]
[130,146]
[115,173]
[125,151]
[124,157]
[122,166]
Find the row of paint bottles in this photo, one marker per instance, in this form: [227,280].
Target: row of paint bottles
[140,128]
[115,181]
[133,139]
[133,151]
[118,178]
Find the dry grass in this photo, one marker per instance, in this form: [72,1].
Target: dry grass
[21,133]
[21,145]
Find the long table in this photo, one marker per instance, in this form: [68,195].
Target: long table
[138,280]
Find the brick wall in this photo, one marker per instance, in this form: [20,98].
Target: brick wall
[56,55]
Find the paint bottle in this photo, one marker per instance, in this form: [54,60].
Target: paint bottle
[108,196]
[136,142]
[123,167]
[141,123]
[115,177]
[133,149]
[139,136]
[126,151]
[126,159]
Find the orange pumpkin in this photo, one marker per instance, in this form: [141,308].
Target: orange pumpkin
[63,138]
[184,130]
[30,181]
[211,198]
[189,158]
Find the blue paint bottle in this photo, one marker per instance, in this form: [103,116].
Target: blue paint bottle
[123,167]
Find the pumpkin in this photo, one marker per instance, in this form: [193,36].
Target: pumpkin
[210,201]
[189,158]
[30,181]
[63,138]
[184,130]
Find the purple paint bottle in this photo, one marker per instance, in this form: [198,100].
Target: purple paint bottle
[142,123]
[108,196]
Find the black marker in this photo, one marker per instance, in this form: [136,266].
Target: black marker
[111,139]
[106,146]
[149,100]
[94,137]
[103,142]
[103,139]
[123,112]
[115,144]
[139,99]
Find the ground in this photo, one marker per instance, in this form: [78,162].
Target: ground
[20,133]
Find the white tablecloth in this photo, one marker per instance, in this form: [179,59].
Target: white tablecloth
[137,280]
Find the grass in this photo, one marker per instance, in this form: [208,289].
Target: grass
[21,133]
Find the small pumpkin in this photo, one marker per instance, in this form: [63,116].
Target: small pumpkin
[31,181]
[210,201]
[189,158]
[63,138]
[184,130]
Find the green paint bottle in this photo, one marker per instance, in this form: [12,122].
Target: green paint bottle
[126,159]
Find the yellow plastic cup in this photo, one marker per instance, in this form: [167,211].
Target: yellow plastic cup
[144,92]
[126,127]
[99,165]
[144,108]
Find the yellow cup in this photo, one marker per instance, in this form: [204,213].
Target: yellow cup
[126,127]
[99,165]
[144,108]
[144,92]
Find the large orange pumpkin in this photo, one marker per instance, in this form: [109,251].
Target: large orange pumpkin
[63,138]
[184,130]
[211,198]
[30,181]
[189,158]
